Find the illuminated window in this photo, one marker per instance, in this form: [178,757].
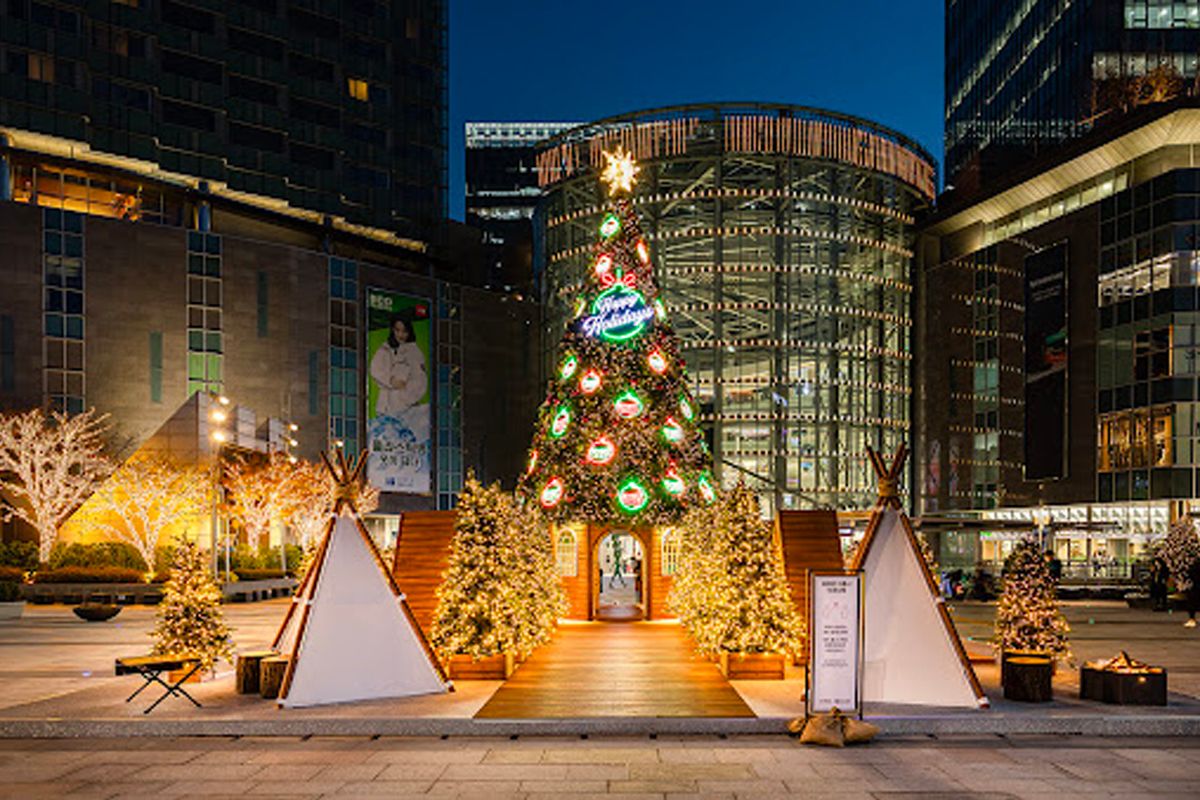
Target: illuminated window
[358,89]
[41,68]
[205,342]
[566,554]
[670,551]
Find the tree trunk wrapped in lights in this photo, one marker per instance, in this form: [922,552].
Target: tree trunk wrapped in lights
[733,595]
[500,594]
[1179,551]
[618,439]
[260,493]
[190,617]
[1028,617]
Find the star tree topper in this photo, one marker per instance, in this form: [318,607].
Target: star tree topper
[619,171]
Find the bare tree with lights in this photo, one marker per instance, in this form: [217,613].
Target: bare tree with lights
[49,465]
[260,493]
[144,498]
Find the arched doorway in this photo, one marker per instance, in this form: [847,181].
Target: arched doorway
[619,591]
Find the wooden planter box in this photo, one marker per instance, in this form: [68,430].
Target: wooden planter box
[1027,679]
[1123,688]
[752,666]
[491,668]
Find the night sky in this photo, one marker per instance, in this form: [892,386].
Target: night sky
[521,60]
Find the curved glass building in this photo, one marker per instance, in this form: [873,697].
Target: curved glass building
[782,240]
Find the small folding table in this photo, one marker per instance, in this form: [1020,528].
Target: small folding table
[151,668]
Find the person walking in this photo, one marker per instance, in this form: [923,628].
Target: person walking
[1193,593]
[618,564]
[1158,584]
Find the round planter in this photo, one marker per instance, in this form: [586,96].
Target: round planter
[96,612]
[12,610]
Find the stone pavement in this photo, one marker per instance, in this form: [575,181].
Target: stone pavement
[988,768]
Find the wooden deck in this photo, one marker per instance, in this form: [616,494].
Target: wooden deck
[616,669]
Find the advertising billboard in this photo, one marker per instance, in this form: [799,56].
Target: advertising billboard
[399,407]
[1046,363]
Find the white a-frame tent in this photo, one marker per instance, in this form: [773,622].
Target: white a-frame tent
[911,651]
[349,631]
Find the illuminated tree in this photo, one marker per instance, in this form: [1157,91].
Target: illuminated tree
[618,436]
[144,498]
[1179,551]
[490,601]
[540,597]
[190,618]
[697,584]
[734,593]
[1028,616]
[260,493]
[49,465]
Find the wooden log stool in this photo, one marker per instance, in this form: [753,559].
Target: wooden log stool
[248,670]
[1027,679]
[271,671]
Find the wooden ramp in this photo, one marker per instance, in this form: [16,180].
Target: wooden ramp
[616,669]
[810,542]
[422,555]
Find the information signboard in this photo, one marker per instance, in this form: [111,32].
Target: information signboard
[834,642]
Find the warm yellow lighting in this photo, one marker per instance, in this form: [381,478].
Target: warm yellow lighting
[223,400]
[218,436]
[293,427]
[291,459]
[292,442]
[338,443]
[358,89]
[620,171]
[218,416]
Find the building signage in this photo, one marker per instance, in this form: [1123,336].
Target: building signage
[834,642]
[618,313]
[1046,363]
[398,393]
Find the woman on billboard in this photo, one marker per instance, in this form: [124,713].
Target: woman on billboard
[398,369]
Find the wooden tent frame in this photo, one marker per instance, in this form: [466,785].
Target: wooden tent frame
[348,479]
[888,478]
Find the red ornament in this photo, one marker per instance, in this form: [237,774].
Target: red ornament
[601,451]
[657,361]
[552,493]
[590,381]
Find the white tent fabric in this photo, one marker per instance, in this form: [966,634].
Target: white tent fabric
[911,654]
[357,641]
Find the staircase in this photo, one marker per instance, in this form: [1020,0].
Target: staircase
[810,542]
[422,555]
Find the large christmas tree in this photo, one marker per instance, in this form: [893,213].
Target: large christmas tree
[617,437]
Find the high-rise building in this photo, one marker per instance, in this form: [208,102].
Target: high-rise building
[336,109]
[781,238]
[503,192]
[1023,74]
[1056,353]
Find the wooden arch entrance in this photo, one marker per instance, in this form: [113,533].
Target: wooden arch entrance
[581,542]
[641,609]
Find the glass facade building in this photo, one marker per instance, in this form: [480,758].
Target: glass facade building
[1117,214]
[1021,74]
[335,108]
[781,237]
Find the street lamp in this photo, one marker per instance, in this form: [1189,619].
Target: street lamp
[218,436]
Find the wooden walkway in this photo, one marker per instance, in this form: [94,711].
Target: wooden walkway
[616,669]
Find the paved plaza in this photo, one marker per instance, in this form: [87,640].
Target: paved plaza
[989,768]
